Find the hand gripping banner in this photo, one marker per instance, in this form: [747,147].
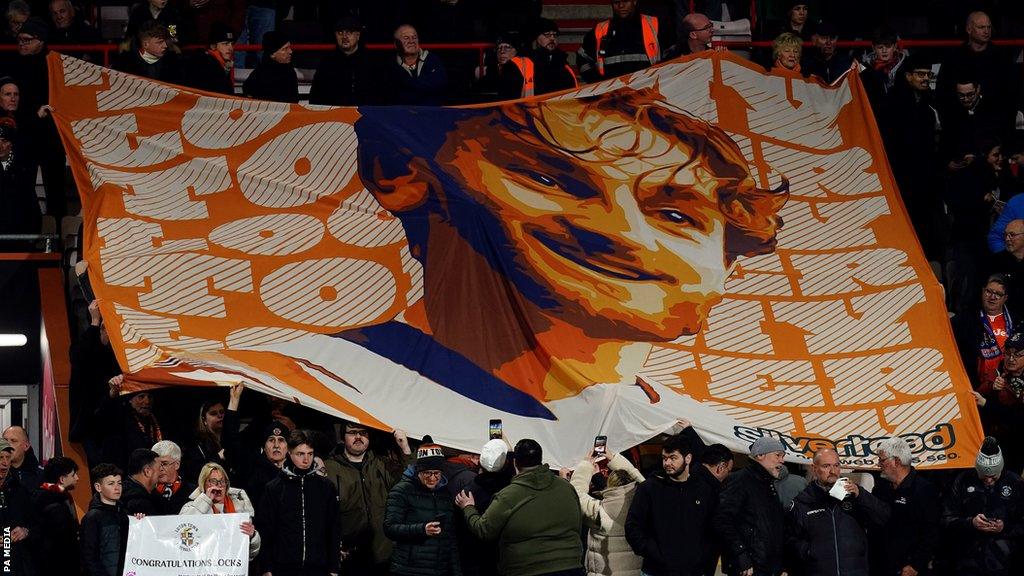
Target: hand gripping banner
[697,240]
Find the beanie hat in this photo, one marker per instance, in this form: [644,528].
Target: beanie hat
[36,28]
[350,23]
[220,32]
[429,456]
[765,445]
[990,458]
[275,428]
[493,455]
[273,41]
[543,25]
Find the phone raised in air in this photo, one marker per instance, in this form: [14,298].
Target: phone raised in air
[494,429]
[600,446]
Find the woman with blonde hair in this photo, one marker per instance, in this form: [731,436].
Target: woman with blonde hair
[216,496]
[786,50]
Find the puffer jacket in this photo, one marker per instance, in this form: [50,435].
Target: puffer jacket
[536,520]
[104,532]
[828,537]
[298,522]
[200,503]
[977,552]
[363,493]
[607,550]
[410,506]
[750,522]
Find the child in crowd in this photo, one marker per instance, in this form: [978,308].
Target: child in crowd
[105,525]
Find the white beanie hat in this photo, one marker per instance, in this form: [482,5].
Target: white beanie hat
[493,454]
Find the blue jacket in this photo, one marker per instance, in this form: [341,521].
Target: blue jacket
[1013,210]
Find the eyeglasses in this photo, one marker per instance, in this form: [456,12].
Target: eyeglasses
[1009,234]
[505,47]
[431,473]
[357,433]
[214,482]
[994,294]
[710,26]
[1015,355]
[967,95]
[923,73]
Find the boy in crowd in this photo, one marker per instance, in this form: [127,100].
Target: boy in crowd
[105,525]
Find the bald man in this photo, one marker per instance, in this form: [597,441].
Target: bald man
[1011,261]
[825,532]
[24,464]
[991,65]
[698,30]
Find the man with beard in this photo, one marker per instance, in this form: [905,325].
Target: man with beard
[138,497]
[256,468]
[906,543]
[827,535]
[750,517]
[345,77]
[653,527]
[297,517]
[135,424]
[552,72]
[362,481]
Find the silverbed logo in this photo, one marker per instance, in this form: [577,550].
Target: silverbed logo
[924,445]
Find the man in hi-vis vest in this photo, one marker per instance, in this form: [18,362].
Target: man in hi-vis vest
[628,42]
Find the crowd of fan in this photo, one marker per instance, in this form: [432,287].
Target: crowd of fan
[319,508]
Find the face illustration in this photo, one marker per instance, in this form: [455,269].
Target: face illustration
[883,52]
[625,236]
[825,468]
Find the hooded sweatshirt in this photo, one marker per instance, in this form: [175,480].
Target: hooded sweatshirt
[536,521]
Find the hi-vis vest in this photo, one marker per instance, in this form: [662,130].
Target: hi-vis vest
[525,66]
[649,25]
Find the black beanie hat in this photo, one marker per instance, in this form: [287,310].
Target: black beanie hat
[273,41]
[36,28]
[276,428]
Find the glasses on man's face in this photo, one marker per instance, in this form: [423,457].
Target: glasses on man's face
[363,433]
[923,74]
[710,26]
[1011,235]
[994,293]
[967,95]
[431,473]
[1015,355]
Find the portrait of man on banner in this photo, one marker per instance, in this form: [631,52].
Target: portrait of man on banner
[559,239]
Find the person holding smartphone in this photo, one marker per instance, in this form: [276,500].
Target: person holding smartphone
[984,513]
[418,518]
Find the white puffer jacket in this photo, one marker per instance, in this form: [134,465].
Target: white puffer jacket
[200,503]
[608,553]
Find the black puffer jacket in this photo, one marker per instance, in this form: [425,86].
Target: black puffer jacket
[297,520]
[57,534]
[104,532]
[977,552]
[750,522]
[827,537]
[409,508]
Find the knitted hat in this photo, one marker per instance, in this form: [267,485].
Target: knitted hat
[429,456]
[493,455]
[350,23]
[221,32]
[275,428]
[1014,342]
[543,25]
[273,41]
[990,458]
[36,28]
[765,445]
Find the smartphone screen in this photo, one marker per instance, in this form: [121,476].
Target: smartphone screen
[600,444]
[494,429]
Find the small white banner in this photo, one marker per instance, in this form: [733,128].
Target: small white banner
[194,545]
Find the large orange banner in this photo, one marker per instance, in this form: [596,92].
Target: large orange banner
[699,240]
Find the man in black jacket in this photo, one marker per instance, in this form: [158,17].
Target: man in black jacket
[750,517]
[669,520]
[552,72]
[16,516]
[24,464]
[906,543]
[93,364]
[297,518]
[152,57]
[137,495]
[345,77]
[212,69]
[255,467]
[983,512]
[105,525]
[274,78]
[827,536]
